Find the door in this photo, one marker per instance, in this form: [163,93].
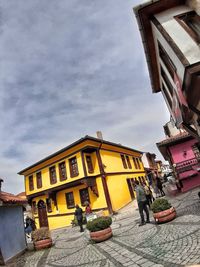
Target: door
[131,189]
[42,214]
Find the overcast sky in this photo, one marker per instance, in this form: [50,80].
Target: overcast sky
[68,69]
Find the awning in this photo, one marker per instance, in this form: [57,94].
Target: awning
[187,174]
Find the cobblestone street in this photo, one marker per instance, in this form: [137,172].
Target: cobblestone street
[176,243]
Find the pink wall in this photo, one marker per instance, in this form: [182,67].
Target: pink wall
[177,156]
[177,151]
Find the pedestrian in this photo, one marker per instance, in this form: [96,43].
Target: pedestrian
[148,193]
[142,203]
[79,217]
[88,210]
[29,226]
[159,186]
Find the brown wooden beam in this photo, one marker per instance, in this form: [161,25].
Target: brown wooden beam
[105,186]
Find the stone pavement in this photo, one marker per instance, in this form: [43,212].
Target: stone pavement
[173,244]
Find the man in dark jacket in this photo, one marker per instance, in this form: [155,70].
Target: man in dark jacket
[142,203]
[79,217]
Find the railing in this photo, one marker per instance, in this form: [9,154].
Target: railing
[186,165]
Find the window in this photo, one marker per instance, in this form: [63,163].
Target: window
[135,164]
[53,178]
[39,179]
[34,207]
[62,171]
[167,82]
[128,162]
[138,163]
[124,161]
[48,202]
[190,21]
[140,180]
[196,151]
[168,98]
[70,200]
[31,185]
[73,167]
[89,164]
[84,196]
[166,60]
[143,180]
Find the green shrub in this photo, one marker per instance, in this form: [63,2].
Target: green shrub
[160,204]
[40,234]
[75,222]
[99,224]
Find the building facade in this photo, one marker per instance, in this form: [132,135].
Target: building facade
[182,151]
[170,31]
[12,242]
[150,165]
[89,169]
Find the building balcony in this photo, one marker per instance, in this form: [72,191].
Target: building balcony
[187,165]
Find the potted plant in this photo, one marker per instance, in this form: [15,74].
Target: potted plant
[100,228]
[41,238]
[162,210]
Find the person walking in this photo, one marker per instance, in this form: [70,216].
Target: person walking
[79,217]
[148,193]
[160,187]
[142,203]
[88,210]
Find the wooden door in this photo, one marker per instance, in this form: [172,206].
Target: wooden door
[42,214]
[130,187]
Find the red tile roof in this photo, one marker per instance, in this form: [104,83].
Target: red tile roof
[22,195]
[11,199]
[174,138]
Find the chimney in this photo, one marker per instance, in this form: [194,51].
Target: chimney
[99,135]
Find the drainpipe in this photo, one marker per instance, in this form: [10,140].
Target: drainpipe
[103,178]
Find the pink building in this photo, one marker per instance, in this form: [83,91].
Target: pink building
[182,151]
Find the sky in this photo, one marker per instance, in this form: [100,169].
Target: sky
[70,68]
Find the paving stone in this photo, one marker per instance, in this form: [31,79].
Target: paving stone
[173,244]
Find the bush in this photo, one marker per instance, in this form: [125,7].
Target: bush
[40,234]
[99,224]
[160,205]
[75,222]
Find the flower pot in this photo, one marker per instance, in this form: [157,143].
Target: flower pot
[41,244]
[101,235]
[165,215]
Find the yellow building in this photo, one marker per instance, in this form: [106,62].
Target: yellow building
[89,169]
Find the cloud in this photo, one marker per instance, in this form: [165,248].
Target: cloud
[70,68]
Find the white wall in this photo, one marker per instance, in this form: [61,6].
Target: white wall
[186,44]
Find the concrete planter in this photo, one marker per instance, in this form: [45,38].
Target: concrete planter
[165,216]
[41,244]
[102,235]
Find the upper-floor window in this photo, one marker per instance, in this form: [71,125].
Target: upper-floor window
[73,166]
[70,200]
[135,163]
[52,173]
[190,21]
[89,164]
[84,196]
[167,60]
[124,161]
[128,162]
[138,163]
[48,202]
[62,171]
[31,185]
[39,179]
